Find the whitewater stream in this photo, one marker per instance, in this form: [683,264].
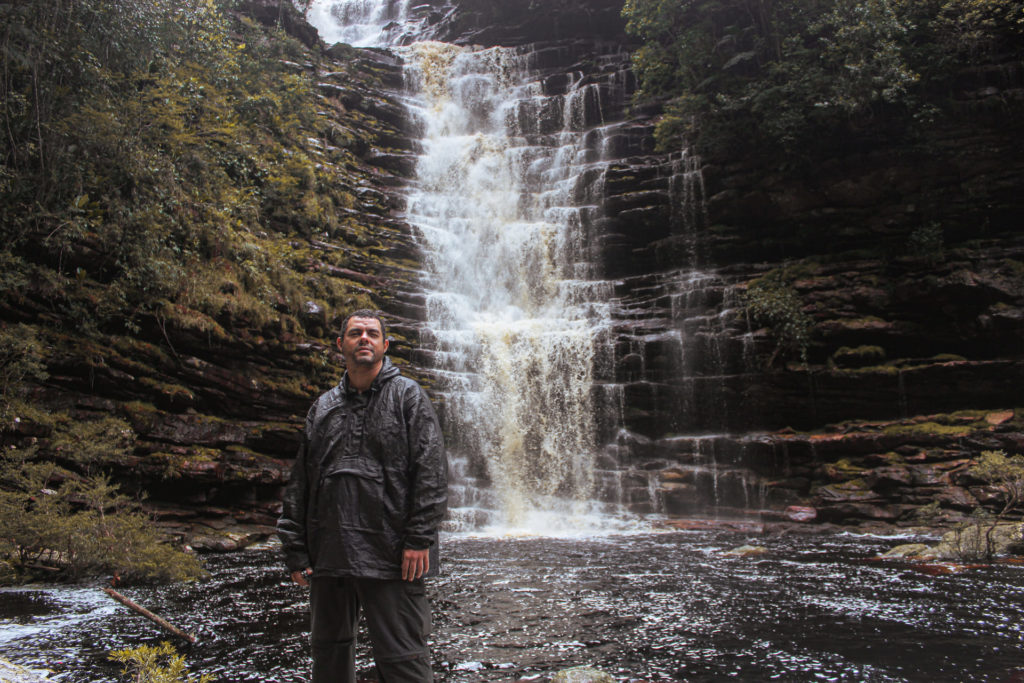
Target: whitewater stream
[644,606]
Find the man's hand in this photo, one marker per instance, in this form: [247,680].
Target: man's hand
[415,563]
[302,578]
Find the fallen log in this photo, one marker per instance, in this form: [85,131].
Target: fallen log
[163,623]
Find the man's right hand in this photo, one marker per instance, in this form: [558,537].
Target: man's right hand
[302,578]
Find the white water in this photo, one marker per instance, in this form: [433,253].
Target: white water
[362,23]
[518,324]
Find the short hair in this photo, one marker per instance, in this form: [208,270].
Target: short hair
[366,313]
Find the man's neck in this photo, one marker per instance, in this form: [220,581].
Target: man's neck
[360,377]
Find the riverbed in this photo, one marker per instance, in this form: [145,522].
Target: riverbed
[644,606]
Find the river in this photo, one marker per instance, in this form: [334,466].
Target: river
[644,606]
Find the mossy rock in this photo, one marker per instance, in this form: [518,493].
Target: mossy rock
[858,357]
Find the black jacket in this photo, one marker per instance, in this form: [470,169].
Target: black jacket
[369,480]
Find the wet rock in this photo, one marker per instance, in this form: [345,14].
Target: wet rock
[12,673]
[1000,417]
[582,674]
[801,513]
[860,511]
[911,551]
[228,537]
[747,550]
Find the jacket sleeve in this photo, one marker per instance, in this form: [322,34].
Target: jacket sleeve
[291,526]
[428,471]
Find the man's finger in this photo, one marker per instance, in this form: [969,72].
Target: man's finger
[415,564]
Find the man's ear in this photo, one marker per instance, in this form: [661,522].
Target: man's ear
[338,343]
[387,343]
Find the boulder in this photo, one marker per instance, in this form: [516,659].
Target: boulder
[582,674]
[911,551]
[801,513]
[747,550]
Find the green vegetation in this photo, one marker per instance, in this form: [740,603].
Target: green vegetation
[60,523]
[1006,474]
[859,356]
[160,168]
[784,77]
[985,535]
[156,664]
[21,360]
[771,301]
[60,515]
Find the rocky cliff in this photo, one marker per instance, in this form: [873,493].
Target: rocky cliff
[194,399]
[902,256]
[906,261]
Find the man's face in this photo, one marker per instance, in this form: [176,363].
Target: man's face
[362,342]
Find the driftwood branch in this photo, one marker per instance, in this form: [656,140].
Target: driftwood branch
[163,623]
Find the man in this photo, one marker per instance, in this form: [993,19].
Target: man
[361,512]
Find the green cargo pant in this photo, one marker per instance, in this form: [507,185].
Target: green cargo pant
[397,617]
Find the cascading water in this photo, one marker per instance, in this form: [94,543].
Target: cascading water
[367,23]
[518,325]
[517,322]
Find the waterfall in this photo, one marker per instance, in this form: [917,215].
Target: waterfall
[519,325]
[514,317]
[362,23]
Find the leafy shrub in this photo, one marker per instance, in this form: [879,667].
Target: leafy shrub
[53,518]
[21,359]
[156,664]
[1005,473]
[772,302]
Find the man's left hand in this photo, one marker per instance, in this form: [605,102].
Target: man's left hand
[415,563]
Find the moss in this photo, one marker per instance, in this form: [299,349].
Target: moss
[927,429]
[887,369]
[170,391]
[947,357]
[859,356]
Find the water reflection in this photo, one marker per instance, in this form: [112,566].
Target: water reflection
[647,607]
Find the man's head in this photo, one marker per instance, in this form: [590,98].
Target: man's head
[363,341]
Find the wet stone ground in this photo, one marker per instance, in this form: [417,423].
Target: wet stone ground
[645,607]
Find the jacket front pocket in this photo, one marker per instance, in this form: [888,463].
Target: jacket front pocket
[353,495]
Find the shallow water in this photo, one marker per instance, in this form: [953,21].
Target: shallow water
[651,606]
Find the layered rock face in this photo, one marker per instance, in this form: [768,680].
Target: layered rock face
[213,409]
[914,367]
[900,336]
[904,255]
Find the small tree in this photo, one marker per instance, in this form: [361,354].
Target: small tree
[772,302]
[52,517]
[159,664]
[1004,473]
